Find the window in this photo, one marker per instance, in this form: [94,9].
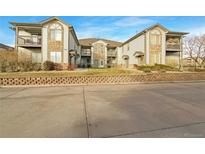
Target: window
[56,32]
[128,47]
[56,57]
[155,39]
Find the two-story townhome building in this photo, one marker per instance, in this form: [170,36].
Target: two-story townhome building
[154,45]
[54,40]
[96,52]
[51,39]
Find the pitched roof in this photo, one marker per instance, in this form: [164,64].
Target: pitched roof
[54,18]
[6,47]
[90,41]
[151,27]
[40,24]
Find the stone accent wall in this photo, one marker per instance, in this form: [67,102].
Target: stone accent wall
[98,54]
[57,46]
[101,79]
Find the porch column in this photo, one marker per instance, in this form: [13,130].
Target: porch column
[105,62]
[92,56]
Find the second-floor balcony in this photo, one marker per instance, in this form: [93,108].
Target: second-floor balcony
[29,41]
[85,52]
[173,46]
[111,53]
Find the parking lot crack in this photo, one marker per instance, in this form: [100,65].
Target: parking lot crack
[86,114]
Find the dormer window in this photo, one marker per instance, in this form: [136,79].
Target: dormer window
[56,32]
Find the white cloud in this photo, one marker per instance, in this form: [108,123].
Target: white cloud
[93,31]
[132,21]
[118,30]
[6,38]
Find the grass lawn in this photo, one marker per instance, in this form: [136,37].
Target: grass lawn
[108,71]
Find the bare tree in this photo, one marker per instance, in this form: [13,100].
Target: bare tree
[194,48]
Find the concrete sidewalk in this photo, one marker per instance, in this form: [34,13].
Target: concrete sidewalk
[138,110]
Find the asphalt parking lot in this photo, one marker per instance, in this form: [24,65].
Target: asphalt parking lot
[138,110]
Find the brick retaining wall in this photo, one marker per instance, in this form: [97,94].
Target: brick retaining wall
[101,79]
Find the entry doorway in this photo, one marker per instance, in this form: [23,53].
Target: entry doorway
[126,62]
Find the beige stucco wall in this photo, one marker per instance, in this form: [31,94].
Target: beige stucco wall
[138,44]
[29,54]
[44,48]
[119,55]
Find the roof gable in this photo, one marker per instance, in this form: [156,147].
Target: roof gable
[100,41]
[53,19]
[152,27]
[157,25]
[90,41]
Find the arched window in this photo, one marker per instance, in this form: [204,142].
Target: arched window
[56,32]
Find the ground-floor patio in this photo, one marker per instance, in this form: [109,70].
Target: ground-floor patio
[138,110]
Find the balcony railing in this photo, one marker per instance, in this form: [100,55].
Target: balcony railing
[173,46]
[111,53]
[34,41]
[83,53]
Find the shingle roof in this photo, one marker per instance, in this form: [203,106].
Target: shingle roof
[151,27]
[90,41]
[5,47]
[40,24]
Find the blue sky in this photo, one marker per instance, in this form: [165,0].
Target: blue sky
[119,28]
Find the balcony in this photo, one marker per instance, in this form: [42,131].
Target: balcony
[29,41]
[85,52]
[111,53]
[173,47]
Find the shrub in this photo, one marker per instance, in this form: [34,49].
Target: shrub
[157,67]
[12,67]
[8,59]
[48,65]
[71,67]
[36,66]
[58,67]
[147,70]
[162,71]
[25,66]
[2,67]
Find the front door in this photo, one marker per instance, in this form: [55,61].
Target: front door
[101,63]
[126,63]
